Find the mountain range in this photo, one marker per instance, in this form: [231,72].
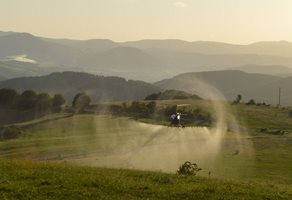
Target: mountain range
[147,60]
[255,70]
[230,83]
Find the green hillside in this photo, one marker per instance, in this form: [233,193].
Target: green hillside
[67,156]
[31,180]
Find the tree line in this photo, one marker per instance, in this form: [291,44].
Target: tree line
[30,100]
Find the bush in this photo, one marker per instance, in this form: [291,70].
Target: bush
[27,100]
[238,99]
[9,132]
[80,102]
[290,113]
[251,102]
[57,102]
[188,168]
[7,97]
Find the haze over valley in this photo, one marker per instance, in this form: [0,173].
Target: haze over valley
[135,100]
[256,70]
[147,60]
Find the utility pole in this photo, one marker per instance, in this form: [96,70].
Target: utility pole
[279,104]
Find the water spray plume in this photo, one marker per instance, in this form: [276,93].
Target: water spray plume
[156,147]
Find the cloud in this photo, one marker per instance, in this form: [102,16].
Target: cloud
[180,4]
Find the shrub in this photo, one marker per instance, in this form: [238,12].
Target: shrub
[290,113]
[9,132]
[80,102]
[251,102]
[57,102]
[238,99]
[188,168]
[7,97]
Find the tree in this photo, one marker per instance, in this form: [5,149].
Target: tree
[169,110]
[80,102]
[27,100]
[251,102]
[7,97]
[290,113]
[153,96]
[43,103]
[57,102]
[151,107]
[238,99]
[138,108]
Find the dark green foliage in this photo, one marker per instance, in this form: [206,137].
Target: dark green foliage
[138,109]
[27,100]
[57,102]
[43,103]
[171,94]
[26,106]
[153,96]
[70,83]
[135,109]
[251,102]
[188,168]
[263,104]
[151,107]
[273,131]
[290,113]
[238,99]
[199,117]
[10,132]
[80,102]
[7,97]
[169,110]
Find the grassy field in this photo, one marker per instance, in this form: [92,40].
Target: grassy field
[32,180]
[57,156]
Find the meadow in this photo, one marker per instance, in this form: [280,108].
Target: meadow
[113,157]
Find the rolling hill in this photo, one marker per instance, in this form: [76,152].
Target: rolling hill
[13,69]
[278,70]
[273,48]
[2,78]
[262,88]
[99,88]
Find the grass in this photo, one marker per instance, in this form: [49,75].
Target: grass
[39,180]
[258,117]
[248,166]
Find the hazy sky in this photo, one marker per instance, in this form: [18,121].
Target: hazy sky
[234,21]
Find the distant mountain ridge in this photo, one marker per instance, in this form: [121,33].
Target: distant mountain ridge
[277,70]
[99,88]
[262,88]
[147,60]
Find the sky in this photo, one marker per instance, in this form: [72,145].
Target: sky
[231,21]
